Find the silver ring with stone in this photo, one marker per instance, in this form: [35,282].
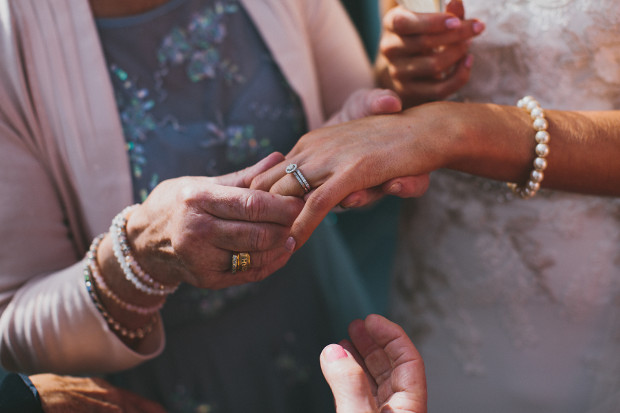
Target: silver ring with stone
[293,169]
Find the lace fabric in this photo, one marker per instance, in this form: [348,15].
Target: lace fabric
[499,282]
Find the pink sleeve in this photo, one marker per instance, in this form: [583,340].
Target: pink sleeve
[47,321]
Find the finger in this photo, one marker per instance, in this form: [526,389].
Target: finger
[385,103]
[419,91]
[362,198]
[242,204]
[347,381]
[375,359]
[262,265]
[404,22]
[407,187]
[265,180]
[434,66]
[366,102]
[244,177]
[408,367]
[241,235]
[321,201]
[376,102]
[456,7]
[350,347]
[394,45]
[288,185]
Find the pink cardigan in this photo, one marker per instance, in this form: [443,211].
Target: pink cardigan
[64,169]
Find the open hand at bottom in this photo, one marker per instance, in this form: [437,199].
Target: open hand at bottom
[379,370]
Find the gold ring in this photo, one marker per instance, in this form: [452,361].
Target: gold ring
[235,262]
[244,261]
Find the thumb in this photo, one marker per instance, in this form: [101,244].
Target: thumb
[243,178]
[347,380]
[367,102]
[456,7]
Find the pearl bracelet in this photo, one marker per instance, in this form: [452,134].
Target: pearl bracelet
[531,106]
[101,286]
[139,333]
[132,270]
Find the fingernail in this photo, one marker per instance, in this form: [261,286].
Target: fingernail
[290,244]
[478,27]
[453,23]
[335,352]
[395,188]
[469,61]
[353,203]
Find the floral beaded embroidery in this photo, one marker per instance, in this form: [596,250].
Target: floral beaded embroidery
[197,46]
[199,50]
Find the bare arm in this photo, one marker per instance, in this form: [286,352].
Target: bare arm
[487,140]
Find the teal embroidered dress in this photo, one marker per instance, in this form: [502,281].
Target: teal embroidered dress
[199,94]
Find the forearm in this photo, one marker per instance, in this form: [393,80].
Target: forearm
[47,320]
[52,325]
[498,142]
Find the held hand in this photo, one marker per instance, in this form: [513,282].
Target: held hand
[340,160]
[424,56]
[76,394]
[380,370]
[188,229]
[371,102]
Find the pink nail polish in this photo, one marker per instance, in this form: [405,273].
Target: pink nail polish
[290,244]
[335,352]
[469,61]
[453,23]
[478,27]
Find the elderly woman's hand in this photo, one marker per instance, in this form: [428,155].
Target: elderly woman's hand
[425,56]
[380,370]
[188,229]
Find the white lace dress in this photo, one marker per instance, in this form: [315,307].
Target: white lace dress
[515,305]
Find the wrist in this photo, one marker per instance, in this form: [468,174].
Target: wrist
[488,140]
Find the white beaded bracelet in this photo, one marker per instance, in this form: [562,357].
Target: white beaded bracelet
[101,285]
[138,333]
[132,270]
[530,105]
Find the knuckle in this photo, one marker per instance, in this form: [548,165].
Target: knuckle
[320,202]
[259,238]
[435,65]
[255,206]
[400,22]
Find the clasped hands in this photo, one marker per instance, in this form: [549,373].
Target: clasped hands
[188,228]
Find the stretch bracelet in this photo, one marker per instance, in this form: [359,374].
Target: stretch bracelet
[132,270]
[531,106]
[101,285]
[115,325]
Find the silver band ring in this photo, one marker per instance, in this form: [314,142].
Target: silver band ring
[293,169]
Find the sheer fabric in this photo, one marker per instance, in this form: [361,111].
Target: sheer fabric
[515,305]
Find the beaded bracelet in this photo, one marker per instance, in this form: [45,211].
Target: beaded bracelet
[101,285]
[132,270]
[531,106]
[115,325]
